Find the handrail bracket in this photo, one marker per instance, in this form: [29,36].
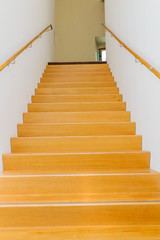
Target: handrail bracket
[11,60]
[138,59]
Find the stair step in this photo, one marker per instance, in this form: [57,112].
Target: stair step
[74,91]
[77,98]
[75,129]
[80,74]
[110,171]
[76,215]
[77,70]
[76,117]
[79,162]
[79,188]
[95,79]
[77,84]
[132,232]
[73,67]
[76,144]
[76,107]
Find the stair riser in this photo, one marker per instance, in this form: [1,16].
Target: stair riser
[77,70]
[78,79]
[76,117]
[80,74]
[74,91]
[76,107]
[76,129]
[120,187]
[76,144]
[151,232]
[79,98]
[78,163]
[104,215]
[77,85]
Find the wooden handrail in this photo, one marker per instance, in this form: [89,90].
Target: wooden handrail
[11,59]
[153,70]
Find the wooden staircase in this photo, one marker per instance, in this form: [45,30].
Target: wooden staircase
[77,169]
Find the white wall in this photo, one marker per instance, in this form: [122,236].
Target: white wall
[20,22]
[136,23]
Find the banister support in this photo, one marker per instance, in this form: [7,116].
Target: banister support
[137,57]
[11,60]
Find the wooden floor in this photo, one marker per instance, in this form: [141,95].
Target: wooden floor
[77,169]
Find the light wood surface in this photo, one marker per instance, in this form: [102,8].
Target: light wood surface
[49,172]
[78,79]
[77,85]
[72,129]
[79,188]
[88,74]
[77,107]
[76,144]
[76,91]
[5,64]
[77,69]
[138,161]
[77,164]
[77,98]
[70,187]
[105,214]
[144,62]
[132,232]
[76,117]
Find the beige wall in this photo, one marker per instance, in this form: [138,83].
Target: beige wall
[77,23]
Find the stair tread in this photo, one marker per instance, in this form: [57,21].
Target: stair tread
[79,162]
[143,232]
[86,188]
[81,88]
[90,88]
[76,106]
[75,91]
[110,171]
[73,198]
[76,144]
[74,103]
[31,173]
[77,70]
[77,85]
[81,74]
[79,214]
[84,95]
[80,137]
[71,117]
[77,79]
[77,129]
[77,98]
